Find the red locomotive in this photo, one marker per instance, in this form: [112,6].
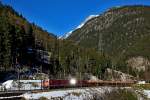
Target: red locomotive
[59,83]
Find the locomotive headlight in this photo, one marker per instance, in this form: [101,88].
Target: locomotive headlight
[73,81]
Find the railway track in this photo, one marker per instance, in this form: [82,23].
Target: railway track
[15,95]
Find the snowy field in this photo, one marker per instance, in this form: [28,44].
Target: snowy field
[72,94]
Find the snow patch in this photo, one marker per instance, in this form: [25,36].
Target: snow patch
[87,19]
[147,93]
[21,85]
[7,84]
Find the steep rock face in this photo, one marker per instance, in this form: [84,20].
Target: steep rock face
[139,63]
[141,66]
[117,31]
[117,75]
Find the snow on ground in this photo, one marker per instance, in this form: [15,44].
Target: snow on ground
[21,85]
[147,93]
[8,84]
[72,94]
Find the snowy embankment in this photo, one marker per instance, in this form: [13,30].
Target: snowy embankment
[21,85]
[147,93]
[72,94]
[143,90]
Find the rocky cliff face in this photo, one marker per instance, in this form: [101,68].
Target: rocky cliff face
[139,63]
[141,66]
[117,75]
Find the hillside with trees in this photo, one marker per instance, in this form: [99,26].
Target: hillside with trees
[24,44]
[120,32]
[19,38]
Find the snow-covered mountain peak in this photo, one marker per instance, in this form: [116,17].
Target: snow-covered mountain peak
[87,19]
[79,26]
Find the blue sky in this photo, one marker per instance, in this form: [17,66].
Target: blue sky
[62,16]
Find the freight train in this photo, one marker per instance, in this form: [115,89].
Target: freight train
[60,83]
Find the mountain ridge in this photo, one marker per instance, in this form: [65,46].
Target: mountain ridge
[66,35]
[109,19]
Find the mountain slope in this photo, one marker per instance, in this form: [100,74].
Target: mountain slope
[116,31]
[122,33]
[29,46]
[19,39]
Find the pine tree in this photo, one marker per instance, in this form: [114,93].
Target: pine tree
[5,47]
